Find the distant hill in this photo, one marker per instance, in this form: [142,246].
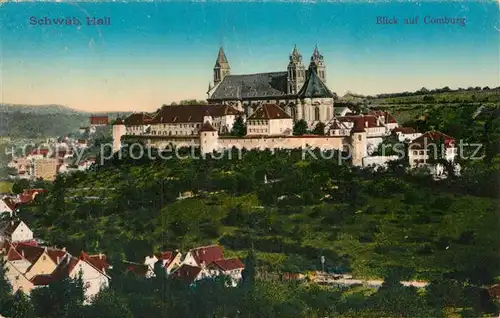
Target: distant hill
[34,121]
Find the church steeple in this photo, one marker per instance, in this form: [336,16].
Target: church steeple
[296,72]
[318,64]
[221,68]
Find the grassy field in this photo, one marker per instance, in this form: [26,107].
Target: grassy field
[5,186]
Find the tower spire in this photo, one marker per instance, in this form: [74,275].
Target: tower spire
[221,68]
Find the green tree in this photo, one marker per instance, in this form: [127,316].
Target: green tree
[108,304]
[5,291]
[20,185]
[300,128]
[22,306]
[239,127]
[248,274]
[319,129]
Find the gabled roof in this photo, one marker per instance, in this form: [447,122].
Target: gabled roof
[10,252]
[191,113]
[269,111]
[98,261]
[368,121]
[31,253]
[314,87]
[9,203]
[228,264]
[12,226]
[187,272]
[433,137]
[207,254]
[238,87]
[137,119]
[43,279]
[136,268]
[207,127]
[404,130]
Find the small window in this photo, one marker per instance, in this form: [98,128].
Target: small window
[359,137]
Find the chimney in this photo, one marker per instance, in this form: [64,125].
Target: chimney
[366,124]
[45,249]
[22,253]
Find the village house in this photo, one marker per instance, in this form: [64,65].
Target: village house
[7,205]
[202,256]
[231,267]
[186,120]
[269,119]
[190,274]
[170,260]
[16,231]
[43,260]
[431,145]
[405,134]
[92,269]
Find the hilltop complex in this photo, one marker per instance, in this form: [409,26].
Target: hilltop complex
[269,104]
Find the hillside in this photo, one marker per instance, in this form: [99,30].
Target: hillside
[28,121]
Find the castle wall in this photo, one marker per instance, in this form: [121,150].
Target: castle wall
[286,142]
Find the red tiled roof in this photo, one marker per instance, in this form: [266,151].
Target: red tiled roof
[137,119]
[65,267]
[99,120]
[138,269]
[10,252]
[187,272]
[191,113]
[229,264]
[404,130]
[31,253]
[368,121]
[269,111]
[207,254]
[98,261]
[42,152]
[42,280]
[433,137]
[207,127]
[56,255]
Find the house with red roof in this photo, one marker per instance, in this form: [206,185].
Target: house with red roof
[190,274]
[431,145]
[269,119]
[231,267]
[93,270]
[43,260]
[7,205]
[170,260]
[202,256]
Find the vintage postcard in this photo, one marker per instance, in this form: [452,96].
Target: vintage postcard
[250,159]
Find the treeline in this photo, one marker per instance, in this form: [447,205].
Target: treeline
[425,91]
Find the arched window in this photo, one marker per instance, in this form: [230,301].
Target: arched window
[316,113]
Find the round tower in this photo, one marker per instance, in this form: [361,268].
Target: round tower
[208,138]
[119,130]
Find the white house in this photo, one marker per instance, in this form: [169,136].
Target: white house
[7,205]
[190,273]
[269,119]
[231,267]
[17,231]
[170,260]
[92,268]
[431,145]
[203,256]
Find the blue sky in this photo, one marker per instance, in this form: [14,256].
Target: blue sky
[158,52]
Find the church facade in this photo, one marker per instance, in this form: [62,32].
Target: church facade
[302,93]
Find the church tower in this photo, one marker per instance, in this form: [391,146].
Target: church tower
[221,68]
[296,72]
[318,64]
